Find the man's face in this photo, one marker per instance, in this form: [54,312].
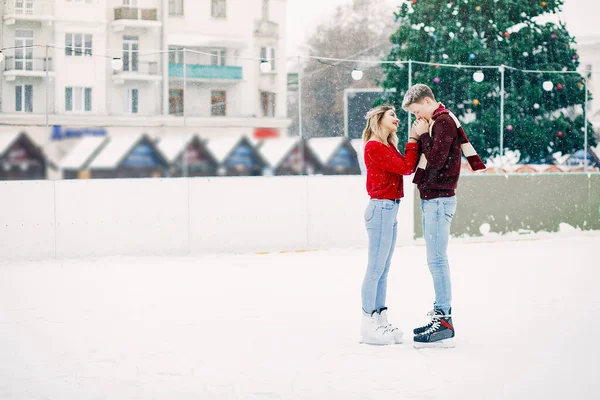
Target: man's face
[423,108]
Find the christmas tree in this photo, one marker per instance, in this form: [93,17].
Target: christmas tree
[543,112]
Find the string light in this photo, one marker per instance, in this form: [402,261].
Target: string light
[265,66]
[116,64]
[357,74]
[478,76]
[397,62]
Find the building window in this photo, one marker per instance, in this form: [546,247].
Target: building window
[23,7]
[175,55]
[218,100]
[268,54]
[131,101]
[130,53]
[77,44]
[78,99]
[218,56]
[176,101]
[24,49]
[267,102]
[130,3]
[219,9]
[24,98]
[176,7]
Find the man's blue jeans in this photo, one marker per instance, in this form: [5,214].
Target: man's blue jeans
[436,219]
[381,224]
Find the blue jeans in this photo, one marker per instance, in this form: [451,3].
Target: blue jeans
[436,219]
[381,224]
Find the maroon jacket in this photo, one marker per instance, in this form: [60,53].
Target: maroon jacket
[443,153]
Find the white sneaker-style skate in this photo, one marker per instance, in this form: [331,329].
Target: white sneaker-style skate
[373,332]
[398,334]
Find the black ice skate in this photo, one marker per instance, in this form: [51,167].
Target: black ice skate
[440,332]
[431,314]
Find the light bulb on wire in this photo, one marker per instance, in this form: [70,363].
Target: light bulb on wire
[116,64]
[548,85]
[265,66]
[478,76]
[357,74]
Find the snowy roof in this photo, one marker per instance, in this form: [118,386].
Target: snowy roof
[274,151]
[82,152]
[114,151]
[324,148]
[172,146]
[221,147]
[359,147]
[6,140]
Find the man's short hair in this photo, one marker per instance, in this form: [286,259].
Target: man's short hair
[415,94]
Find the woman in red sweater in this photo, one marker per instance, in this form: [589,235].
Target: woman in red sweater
[385,168]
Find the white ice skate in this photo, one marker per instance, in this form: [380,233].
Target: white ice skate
[398,334]
[373,332]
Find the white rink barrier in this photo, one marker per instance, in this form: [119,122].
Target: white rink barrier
[179,216]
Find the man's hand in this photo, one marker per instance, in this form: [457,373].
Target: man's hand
[419,127]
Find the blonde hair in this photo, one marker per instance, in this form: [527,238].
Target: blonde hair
[373,127]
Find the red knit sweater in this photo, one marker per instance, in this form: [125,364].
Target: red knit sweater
[443,153]
[385,167]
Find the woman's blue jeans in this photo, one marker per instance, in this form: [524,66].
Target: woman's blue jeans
[381,224]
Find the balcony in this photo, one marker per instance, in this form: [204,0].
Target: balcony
[28,10]
[197,72]
[134,70]
[264,28]
[27,67]
[135,17]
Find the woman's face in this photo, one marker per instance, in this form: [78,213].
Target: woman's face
[389,122]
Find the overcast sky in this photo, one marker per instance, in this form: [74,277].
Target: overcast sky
[581,17]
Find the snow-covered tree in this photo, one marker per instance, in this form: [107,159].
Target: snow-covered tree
[360,31]
[537,122]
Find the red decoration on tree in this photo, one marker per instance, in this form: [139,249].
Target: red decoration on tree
[414,1]
[560,134]
[506,34]
[559,86]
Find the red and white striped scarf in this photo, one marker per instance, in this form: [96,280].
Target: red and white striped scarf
[467,148]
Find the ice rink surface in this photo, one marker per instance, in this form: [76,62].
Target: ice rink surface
[285,326]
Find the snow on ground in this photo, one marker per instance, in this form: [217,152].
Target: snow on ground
[285,326]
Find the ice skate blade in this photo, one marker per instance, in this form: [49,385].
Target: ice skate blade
[377,343]
[440,344]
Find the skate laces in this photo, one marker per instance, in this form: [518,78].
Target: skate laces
[435,322]
[434,326]
[385,323]
[431,314]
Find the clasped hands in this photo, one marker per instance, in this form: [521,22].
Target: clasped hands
[419,127]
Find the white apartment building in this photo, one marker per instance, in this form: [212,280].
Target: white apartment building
[66,86]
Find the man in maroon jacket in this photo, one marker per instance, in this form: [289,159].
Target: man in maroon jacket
[441,141]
